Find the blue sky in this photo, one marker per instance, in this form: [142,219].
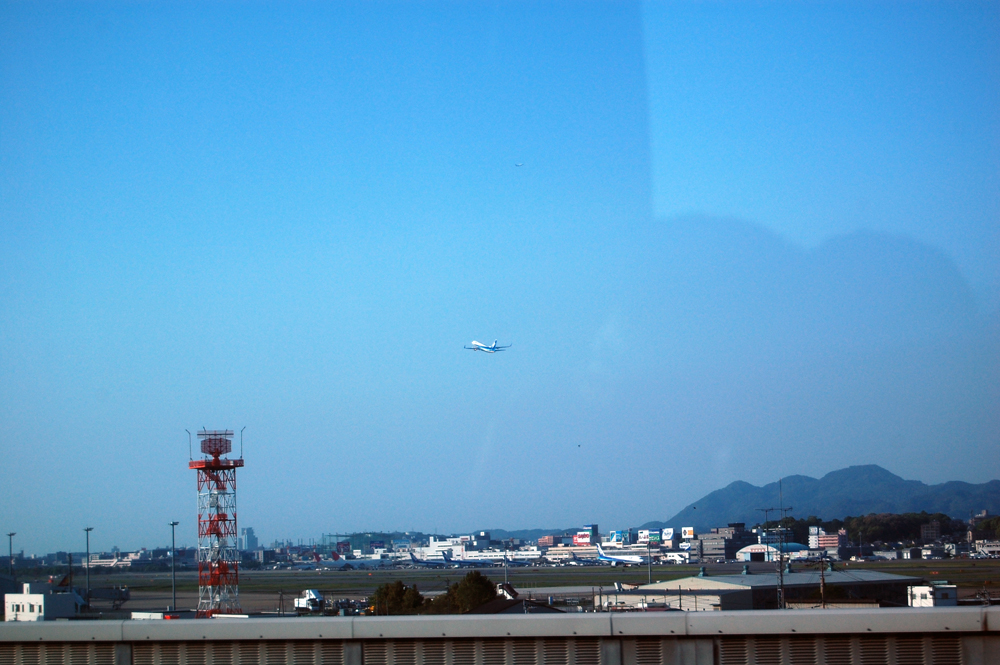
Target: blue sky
[825,118]
[746,241]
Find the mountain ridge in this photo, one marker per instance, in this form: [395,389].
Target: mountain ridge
[851,491]
[854,490]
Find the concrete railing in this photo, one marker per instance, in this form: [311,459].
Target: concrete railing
[931,636]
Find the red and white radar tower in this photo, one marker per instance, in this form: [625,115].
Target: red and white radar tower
[218,554]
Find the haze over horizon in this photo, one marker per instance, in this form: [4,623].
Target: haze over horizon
[746,242]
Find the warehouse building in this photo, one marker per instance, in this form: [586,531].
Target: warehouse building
[760,591]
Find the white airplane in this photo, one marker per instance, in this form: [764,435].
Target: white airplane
[337,562]
[428,563]
[626,559]
[488,348]
[468,563]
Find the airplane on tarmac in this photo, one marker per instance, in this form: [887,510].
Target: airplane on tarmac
[517,563]
[488,348]
[624,559]
[427,563]
[468,563]
[340,563]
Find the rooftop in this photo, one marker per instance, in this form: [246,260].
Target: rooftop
[794,578]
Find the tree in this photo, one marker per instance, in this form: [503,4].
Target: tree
[397,598]
[474,590]
[988,529]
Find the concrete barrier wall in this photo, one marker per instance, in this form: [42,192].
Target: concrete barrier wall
[931,636]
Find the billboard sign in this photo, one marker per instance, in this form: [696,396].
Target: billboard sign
[643,536]
[685,546]
[618,537]
[654,536]
[687,532]
[668,534]
[581,539]
[378,544]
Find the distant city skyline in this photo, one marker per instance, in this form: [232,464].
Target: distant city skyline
[743,242]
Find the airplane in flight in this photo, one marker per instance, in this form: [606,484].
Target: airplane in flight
[623,559]
[488,348]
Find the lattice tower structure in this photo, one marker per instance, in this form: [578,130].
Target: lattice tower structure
[218,554]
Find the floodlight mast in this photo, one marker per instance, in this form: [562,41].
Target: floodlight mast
[173,566]
[218,556]
[10,552]
[88,530]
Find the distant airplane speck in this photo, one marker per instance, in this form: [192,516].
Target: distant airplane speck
[491,348]
[521,164]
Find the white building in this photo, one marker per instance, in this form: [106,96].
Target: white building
[763,552]
[773,536]
[988,547]
[932,595]
[37,603]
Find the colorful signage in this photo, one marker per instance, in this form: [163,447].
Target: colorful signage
[687,532]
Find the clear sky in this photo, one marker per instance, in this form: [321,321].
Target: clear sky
[746,241]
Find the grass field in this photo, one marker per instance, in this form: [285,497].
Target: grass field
[260,590]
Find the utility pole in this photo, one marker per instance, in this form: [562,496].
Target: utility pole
[505,562]
[173,570]
[649,563]
[765,511]
[781,559]
[88,530]
[781,548]
[822,583]
[10,551]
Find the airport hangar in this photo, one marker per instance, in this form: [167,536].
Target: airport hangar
[759,591]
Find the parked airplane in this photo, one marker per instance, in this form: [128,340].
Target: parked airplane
[491,348]
[427,563]
[625,559]
[468,563]
[517,563]
[340,563]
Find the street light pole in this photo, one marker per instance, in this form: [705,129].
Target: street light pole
[10,551]
[88,530]
[173,572]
